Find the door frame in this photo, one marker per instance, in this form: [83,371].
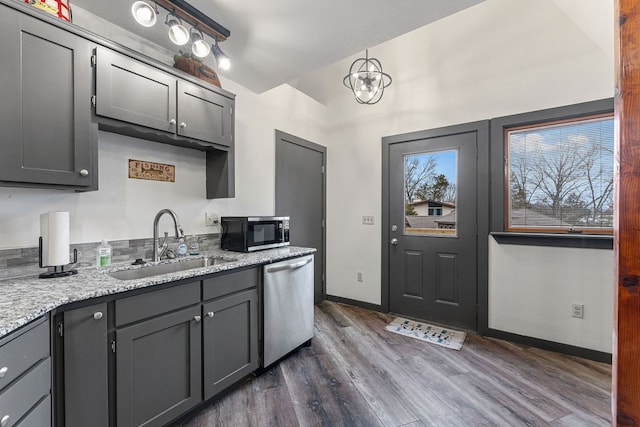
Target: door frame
[481,128]
[292,139]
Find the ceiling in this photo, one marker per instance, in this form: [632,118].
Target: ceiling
[278,41]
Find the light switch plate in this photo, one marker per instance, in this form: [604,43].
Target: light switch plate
[367,219]
[211,219]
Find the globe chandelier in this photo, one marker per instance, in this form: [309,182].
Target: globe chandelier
[366,80]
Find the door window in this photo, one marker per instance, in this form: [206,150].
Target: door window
[430,199]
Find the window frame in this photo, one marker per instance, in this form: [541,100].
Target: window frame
[499,192]
[507,180]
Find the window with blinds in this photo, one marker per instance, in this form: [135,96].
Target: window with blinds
[559,176]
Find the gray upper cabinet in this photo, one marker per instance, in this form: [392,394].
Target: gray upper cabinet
[204,115]
[47,137]
[130,91]
[133,92]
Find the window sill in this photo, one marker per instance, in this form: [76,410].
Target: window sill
[588,241]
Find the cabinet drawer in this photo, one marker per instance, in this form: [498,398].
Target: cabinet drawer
[16,400]
[153,303]
[22,352]
[229,283]
[39,416]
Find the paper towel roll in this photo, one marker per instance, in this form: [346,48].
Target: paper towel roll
[54,229]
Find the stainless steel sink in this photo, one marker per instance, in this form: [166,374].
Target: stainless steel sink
[174,267]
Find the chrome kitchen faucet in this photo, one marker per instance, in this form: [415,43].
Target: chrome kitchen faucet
[159,251]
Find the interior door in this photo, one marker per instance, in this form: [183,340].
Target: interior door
[300,194]
[432,223]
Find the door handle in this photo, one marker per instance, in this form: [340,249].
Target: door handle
[394,241]
[289,266]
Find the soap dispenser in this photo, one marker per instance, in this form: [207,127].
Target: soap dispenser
[103,255]
[181,249]
[194,247]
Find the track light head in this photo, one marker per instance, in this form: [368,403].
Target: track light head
[223,61]
[200,48]
[144,13]
[178,34]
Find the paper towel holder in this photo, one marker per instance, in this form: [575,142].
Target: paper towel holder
[55,273]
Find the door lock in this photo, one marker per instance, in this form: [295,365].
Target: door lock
[394,228]
[394,241]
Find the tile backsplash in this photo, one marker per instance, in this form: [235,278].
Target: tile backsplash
[25,262]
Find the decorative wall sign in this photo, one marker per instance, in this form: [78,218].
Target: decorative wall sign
[139,169]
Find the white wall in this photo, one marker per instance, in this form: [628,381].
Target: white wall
[498,58]
[532,289]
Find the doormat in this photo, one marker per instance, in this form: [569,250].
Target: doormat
[444,337]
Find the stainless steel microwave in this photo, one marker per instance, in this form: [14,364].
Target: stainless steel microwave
[254,233]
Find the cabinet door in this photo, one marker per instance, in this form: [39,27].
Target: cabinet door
[230,340]
[204,115]
[133,92]
[86,350]
[45,104]
[158,368]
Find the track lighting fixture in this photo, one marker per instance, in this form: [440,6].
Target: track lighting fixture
[180,13]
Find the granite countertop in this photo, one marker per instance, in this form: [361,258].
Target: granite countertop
[27,298]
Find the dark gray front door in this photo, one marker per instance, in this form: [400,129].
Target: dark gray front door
[432,228]
[300,194]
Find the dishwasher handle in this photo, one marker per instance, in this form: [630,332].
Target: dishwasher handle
[289,266]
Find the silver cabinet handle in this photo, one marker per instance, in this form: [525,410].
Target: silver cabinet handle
[172,122]
[97,315]
[84,172]
[394,241]
[4,422]
[3,371]
[183,125]
[210,314]
[197,318]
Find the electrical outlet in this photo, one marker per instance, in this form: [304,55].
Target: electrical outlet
[577,310]
[367,219]
[360,277]
[210,219]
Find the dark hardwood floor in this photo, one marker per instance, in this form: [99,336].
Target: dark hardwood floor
[356,373]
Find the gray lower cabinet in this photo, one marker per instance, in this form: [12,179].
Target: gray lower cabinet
[47,138]
[159,368]
[148,358]
[25,376]
[230,340]
[86,378]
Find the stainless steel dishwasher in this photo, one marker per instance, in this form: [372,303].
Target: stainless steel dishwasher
[288,307]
